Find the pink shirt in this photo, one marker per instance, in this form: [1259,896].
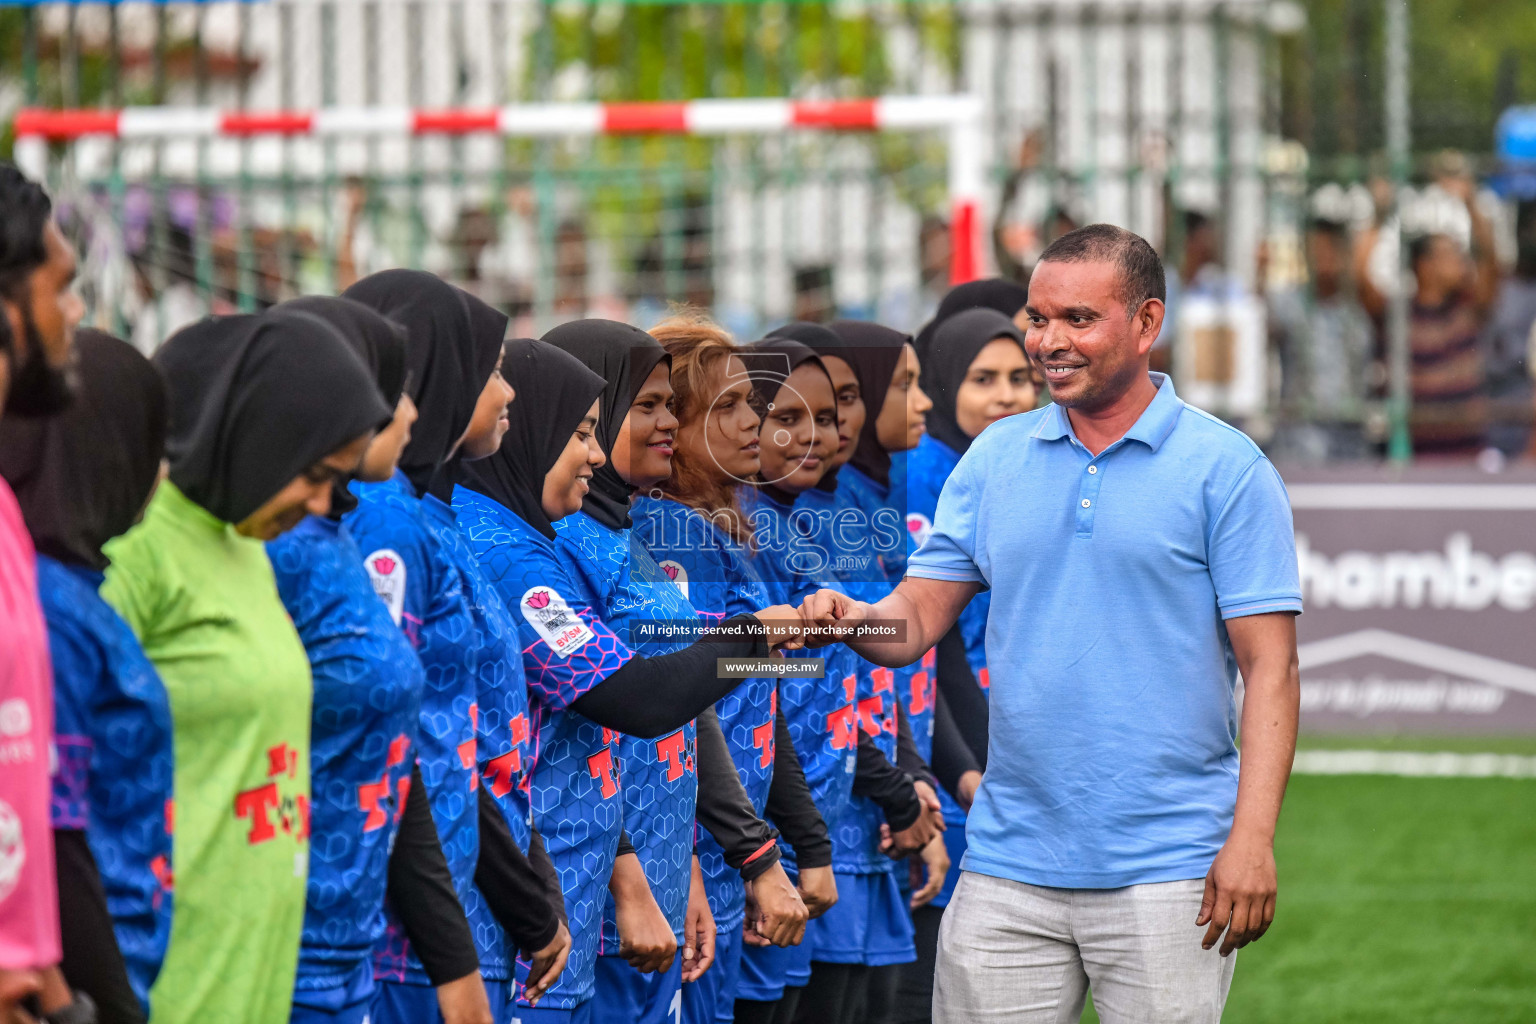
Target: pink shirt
[29,902]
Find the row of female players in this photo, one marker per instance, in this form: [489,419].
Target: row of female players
[397,698]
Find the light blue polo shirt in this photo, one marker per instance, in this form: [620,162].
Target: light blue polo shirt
[1112,757]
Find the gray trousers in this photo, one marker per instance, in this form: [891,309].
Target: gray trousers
[1028,955]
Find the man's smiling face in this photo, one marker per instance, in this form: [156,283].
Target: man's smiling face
[1078,331]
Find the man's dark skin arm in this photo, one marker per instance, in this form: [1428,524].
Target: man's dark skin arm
[928,607]
[1240,888]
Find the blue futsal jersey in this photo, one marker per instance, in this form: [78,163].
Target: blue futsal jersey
[928,468]
[503,747]
[881,512]
[659,781]
[367,698]
[717,578]
[426,597]
[112,725]
[574,786]
[861,506]
[855,694]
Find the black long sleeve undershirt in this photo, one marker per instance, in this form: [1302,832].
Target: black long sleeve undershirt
[725,810]
[92,962]
[650,696]
[420,889]
[952,756]
[890,788]
[967,702]
[907,757]
[790,804]
[538,856]
[511,887]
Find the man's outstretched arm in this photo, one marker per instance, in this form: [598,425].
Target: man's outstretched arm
[1240,887]
[927,607]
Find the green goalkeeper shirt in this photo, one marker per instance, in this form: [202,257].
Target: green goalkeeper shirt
[204,604]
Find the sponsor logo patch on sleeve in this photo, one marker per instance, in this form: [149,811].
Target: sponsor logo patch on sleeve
[919,527]
[676,573]
[552,618]
[387,571]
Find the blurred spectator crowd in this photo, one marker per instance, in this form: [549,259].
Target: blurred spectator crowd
[1316,320]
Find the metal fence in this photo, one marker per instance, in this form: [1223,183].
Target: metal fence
[1167,116]
[1132,112]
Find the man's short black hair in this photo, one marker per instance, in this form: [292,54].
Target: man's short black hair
[1141,272]
[24,212]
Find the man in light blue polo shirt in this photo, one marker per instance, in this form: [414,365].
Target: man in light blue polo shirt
[1140,554]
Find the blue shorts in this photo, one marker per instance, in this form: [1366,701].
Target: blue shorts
[767,970]
[868,925]
[515,1014]
[712,999]
[625,996]
[346,1003]
[400,1002]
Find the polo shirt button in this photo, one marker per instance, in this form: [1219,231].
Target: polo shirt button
[1086,503]
[1092,470]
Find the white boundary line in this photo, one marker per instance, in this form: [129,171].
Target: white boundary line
[1414,497]
[1414,765]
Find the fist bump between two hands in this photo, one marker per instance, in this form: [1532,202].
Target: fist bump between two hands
[823,618]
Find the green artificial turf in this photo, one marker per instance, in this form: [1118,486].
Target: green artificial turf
[1525,745]
[1402,900]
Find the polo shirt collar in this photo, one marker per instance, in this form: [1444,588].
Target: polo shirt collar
[1151,428]
[1156,421]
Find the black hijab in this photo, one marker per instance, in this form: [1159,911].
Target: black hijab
[993,293]
[623,356]
[822,340]
[554,392]
[380,343]
[82,476]
[452,343]
[256,400]
[874,352]
[816,337]
[947,359]
[769,363]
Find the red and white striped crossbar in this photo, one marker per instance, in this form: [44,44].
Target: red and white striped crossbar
[960,115]
[697,117]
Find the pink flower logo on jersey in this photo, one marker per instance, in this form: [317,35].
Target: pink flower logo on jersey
[671,571]
[384,565]
[919,526]
[539,599]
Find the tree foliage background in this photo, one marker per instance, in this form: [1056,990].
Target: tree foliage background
[1471,59]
